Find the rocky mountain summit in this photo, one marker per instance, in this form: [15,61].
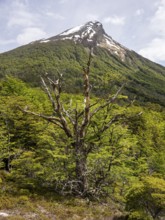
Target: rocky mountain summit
[90,35]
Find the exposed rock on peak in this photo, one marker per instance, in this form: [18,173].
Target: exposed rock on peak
[91,34]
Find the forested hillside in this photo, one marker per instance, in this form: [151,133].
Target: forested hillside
[144,79]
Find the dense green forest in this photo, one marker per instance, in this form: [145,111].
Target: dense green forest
[81,139]
[123,148]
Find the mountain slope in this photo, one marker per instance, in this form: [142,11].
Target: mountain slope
[67,52]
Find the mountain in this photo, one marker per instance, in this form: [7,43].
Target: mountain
[91,35]
[67,53]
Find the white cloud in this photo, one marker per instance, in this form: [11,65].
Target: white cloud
[139,12]
[92,17]
[115,20]
[27,23]
[21,18]
[19,15]
[158,20]
[155,50]
[6,42]
[55,16]
[30,34]
[63,1]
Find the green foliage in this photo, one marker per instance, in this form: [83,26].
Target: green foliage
[137,215]
[147,197]
[39,157]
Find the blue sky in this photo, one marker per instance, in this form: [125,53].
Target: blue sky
[137,24]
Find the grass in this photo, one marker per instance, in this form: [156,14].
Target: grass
[53,208]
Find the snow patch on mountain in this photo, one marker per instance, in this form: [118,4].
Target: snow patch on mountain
[72,30]
[44,41]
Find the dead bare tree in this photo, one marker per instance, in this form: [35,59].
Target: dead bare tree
[76,125]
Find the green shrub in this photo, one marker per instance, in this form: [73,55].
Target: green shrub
[148,197]
[138,215]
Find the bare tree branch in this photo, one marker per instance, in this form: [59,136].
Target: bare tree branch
[48,93]
[86,96]
[56,85]
[53,119]
[68,115]
[91,105]
[110,122]
[108,102]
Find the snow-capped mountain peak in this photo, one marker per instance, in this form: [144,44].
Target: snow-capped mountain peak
[87,30]
[90,35]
